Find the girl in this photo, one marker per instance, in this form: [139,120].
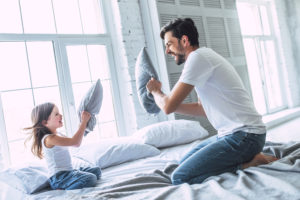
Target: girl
[46,119]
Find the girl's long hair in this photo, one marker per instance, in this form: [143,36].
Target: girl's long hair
[39,115]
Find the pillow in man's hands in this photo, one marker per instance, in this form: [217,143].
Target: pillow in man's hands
[91,102]
[144,71]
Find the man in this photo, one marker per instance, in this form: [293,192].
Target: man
[222,99]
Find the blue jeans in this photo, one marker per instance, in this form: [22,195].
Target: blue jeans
[75,179]
[218,155]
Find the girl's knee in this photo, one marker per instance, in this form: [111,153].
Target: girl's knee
[98,172]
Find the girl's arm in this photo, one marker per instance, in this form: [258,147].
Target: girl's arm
[57,140]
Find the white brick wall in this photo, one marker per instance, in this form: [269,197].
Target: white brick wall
[131,39]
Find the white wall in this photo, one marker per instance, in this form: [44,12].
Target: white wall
[285,31]
[296,15]
[129,40]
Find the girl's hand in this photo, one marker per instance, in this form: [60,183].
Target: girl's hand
[85,116]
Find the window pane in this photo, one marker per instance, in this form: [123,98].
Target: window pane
[91,16]
[94,135]
[79,91]
[107,110]
[271,74]
[40,19]
[14,72]
[81,62]
[67,16]
[10,19]
[265,20]
[48,94]
[255,76]
[98,62]
[20,153]
[42,63]
[17,108]
[249,19]
[78,63]
[104,130]
[108,130]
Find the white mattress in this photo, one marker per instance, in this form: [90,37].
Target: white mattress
[109,175]
[149,179]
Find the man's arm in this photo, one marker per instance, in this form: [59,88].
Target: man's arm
[194,109]
[173,102]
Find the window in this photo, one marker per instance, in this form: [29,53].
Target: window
[257,20]
[53,51]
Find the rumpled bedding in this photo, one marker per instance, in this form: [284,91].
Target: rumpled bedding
[149,178]
[278,180]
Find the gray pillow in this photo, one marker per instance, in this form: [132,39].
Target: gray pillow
[91,102]
[144,70]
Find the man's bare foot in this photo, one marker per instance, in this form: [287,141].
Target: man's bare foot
[259,159]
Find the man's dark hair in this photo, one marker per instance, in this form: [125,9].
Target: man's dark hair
[180,27]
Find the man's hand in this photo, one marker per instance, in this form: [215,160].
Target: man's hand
[153,85]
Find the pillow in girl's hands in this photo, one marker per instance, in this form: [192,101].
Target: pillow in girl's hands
[171,133]
[144,71]
[109,152]
[91,102]
[28,178]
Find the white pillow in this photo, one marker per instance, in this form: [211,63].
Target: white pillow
[171,133]
[78,163]
[109,152]
[27,178]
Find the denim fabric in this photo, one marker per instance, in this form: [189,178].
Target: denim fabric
[75,179]
[218,155]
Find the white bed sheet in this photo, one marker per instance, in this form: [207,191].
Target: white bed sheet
[109,175]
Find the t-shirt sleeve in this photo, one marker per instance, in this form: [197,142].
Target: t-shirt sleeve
[197,70]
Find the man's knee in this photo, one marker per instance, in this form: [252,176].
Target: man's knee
[177,179]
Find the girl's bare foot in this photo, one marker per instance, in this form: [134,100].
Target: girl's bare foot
[259,159]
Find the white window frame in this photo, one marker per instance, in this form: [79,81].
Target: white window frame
[60,41]
[64,78]
[271,37]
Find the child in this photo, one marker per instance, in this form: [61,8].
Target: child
[46,120]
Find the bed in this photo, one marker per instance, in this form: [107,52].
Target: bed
[149,178]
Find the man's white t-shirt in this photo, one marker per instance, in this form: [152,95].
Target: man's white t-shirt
[227,104]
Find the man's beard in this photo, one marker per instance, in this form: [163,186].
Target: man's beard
[181,59]
[181,56]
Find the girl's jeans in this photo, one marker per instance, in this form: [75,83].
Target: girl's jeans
[75,179]
[218,155]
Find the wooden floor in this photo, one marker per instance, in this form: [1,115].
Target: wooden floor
[289,131]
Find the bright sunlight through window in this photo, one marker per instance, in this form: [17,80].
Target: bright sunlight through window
[52,51]
[262,54]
